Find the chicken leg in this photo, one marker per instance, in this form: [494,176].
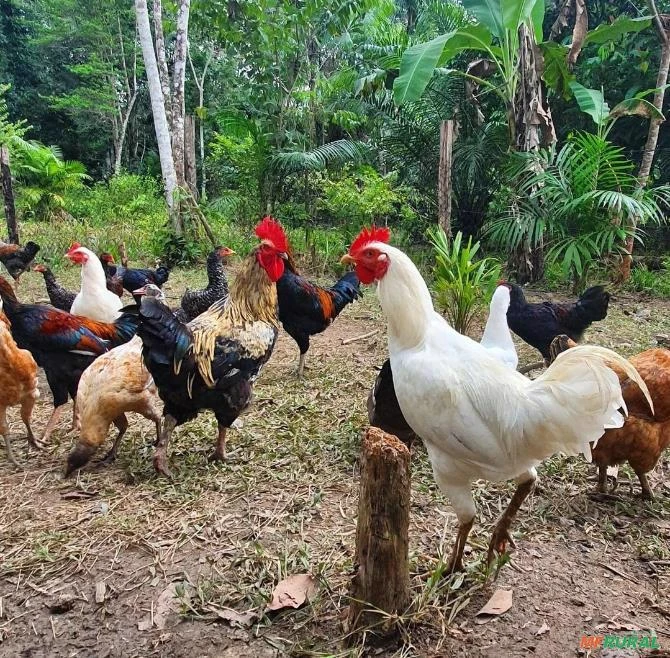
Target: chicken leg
[220,450]
[501,533]
[160,455]
[301,366]
[53,421]
[121,423]
[464,506]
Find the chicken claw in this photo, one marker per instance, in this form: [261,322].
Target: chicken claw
[161,466]
[498,544]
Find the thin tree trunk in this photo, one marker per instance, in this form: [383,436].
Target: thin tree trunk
[444,176]
[200,84]
[158,111]
[122,133]
[178,81]
[161,59]
[8,196]
[190,170]
[652,136]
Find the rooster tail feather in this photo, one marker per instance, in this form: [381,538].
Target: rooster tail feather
[586,395]
[345,290]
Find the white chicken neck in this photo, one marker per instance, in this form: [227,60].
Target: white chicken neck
[405,299]
[92,274]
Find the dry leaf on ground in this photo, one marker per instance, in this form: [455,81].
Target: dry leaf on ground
[167,603]
[244,619]
[293,591]
[498,604]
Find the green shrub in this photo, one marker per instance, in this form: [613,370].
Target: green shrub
[363,197]
[127,208]
[462,283]
[653,283]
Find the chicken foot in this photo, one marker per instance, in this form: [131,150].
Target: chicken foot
[501,533]
[647,493]
[160,455]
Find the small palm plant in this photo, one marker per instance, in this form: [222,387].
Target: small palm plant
[45,179]
[581,200]
[462,282]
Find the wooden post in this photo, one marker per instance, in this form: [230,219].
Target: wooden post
[381,582]
[8,195]
[190,173]
[444,176]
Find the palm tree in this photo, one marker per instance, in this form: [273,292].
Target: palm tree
[581,198]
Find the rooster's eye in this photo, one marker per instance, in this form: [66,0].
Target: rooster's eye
[369,253]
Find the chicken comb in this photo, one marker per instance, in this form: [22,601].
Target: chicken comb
[367,235]
[73,247]
[271,230]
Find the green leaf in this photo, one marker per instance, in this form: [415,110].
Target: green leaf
[516,12]
[537,16]
[612,31]
[650,92]
[490,13]
[418,62]
[638,107]
[556,73]
[416,68]
[591,101]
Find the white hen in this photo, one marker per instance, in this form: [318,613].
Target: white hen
[93,300]
[497,338]
[478,417]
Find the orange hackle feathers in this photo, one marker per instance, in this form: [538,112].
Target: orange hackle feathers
[271,230]
[367,235]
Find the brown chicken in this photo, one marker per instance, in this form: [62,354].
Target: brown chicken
[115,383]
[18,385]
[644,436]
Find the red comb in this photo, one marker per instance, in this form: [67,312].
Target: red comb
[367,235]
[73,247]
[271,230]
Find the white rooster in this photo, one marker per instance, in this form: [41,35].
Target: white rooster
[477,416]
[93,300]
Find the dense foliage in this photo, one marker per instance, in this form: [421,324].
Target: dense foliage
[328,114]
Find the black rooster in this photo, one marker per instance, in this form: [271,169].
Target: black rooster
[306,309]
[538,324]
[18,259]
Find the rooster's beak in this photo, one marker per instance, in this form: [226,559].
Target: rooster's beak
[140,291]
[347,260]
[283,255]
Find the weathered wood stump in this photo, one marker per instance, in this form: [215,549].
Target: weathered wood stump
[380,587]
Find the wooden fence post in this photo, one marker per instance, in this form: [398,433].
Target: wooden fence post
[381,582]
[444,176]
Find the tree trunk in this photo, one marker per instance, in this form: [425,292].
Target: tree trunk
[161,60]
[122,133]
[444,176]
[532,127]
[652,136]
[200,84]
[380,587]
[158,111]
[8,196]
[178,80]
[190,171]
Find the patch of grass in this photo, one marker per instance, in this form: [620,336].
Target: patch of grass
[655,283]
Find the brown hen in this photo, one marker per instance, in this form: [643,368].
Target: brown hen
[644,436]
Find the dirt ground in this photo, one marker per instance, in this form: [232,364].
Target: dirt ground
[119,562]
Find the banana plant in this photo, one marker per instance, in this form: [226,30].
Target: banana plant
[495,32]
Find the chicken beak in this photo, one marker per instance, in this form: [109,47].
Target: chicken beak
[347,260]
[283,255]
[140,291]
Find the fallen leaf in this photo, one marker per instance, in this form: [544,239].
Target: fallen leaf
[293,592]
[498,604]
[543,629]
[244,619]
[167,603]
[100,589]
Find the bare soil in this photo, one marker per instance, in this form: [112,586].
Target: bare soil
[169,561]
